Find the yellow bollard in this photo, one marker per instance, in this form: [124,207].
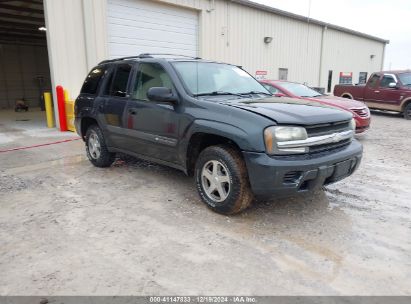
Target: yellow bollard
[49,109]
[66,95]
[69,105]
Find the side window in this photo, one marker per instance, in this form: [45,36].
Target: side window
[386,80]
[373,81]
[119,85]
[150,75]
[271,89]
[92,81]
[107,86]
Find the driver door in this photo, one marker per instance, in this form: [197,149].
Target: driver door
[389,95]
[152,127]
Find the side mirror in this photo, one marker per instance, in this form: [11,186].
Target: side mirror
[392,85]
[161,94]
[279,95]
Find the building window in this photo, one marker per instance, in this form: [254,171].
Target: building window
[362,78]
[330,80]
[282,74]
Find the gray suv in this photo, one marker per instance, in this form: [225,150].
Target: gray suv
[216,122]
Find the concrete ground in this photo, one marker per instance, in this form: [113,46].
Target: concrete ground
[68,228]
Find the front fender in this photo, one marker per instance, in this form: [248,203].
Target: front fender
[247,140]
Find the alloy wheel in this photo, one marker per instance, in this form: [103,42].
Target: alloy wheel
[215,179]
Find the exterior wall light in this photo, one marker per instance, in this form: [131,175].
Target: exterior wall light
[268,40]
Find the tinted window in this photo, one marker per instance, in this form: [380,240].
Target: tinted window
[150,75]
[119,85]
[93,79]
[109,81]
[386,80]
[373,80]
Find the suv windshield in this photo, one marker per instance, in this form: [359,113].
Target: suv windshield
[207,78]
[405,78]
[299,89]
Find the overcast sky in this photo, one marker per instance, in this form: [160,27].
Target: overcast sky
[385,19]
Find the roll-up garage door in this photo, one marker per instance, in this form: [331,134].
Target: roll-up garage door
[140,26]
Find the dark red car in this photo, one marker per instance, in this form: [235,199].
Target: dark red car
[360,111]
[387,90]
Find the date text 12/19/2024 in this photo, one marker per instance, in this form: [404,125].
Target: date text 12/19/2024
[203,299]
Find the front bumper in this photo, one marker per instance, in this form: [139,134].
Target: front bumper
[288,175]
[362,123]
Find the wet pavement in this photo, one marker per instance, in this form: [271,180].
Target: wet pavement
[136,228]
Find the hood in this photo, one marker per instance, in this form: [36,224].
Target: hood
[340,102]
[294,111]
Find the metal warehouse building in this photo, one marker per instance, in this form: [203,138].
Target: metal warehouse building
[265,41]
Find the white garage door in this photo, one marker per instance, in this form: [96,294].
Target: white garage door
[140,26]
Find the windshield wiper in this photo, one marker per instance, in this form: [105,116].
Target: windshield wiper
[217,93]
[256,92]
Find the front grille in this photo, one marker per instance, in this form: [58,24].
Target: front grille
[326,129]
[327,147]
[291,177]
[362,112]
[329,128]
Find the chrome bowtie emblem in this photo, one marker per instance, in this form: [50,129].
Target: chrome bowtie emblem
[336,137]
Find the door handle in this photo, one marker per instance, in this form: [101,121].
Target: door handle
[132,111]
[101,107]
[376,91]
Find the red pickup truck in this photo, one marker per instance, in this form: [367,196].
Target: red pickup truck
[387,90]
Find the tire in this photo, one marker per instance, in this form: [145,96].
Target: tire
[96,148]
[407,111]
[225,165]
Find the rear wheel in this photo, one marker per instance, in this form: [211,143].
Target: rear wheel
[407,111]
[96,148]
[222,180]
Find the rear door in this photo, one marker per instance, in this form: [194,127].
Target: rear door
[113,103]
[152,127]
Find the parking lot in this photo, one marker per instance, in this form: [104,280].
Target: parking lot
[68,228]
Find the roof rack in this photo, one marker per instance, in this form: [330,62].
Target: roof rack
[146,55]
[118,59]
[150,55]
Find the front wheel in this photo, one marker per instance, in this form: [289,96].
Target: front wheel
[96,148]
[222,180]
[407,111]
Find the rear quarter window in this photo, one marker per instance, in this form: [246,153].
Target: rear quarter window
[92,81]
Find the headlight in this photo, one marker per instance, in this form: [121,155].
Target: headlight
[353,124]
[273,135]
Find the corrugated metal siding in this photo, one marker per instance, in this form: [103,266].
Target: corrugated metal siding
[234,33]
[348,53]
[77,39]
